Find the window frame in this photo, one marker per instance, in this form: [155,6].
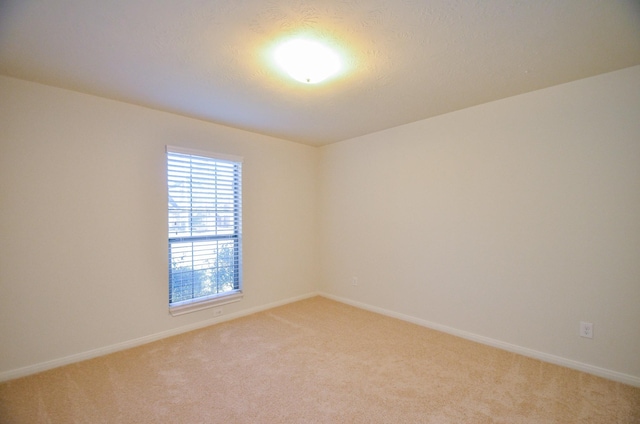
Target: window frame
[216,299]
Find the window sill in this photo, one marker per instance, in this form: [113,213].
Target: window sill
[200,304]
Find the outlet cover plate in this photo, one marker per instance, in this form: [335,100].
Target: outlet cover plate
[586,329]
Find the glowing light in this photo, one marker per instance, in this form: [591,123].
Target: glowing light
[307,61]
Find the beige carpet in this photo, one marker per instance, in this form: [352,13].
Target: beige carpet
[316,361]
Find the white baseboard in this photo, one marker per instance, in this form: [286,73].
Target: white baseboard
[591,369]
[55,363]
[557,360]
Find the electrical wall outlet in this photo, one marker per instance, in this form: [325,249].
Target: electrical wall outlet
[217,312]
[354,281]
[586,329]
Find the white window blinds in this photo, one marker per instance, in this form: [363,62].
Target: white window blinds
[205,226]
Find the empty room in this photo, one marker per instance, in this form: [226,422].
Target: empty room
[297,211]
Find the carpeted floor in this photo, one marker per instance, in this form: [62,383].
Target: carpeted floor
[316,361]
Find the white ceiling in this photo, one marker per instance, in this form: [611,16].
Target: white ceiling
[407,59]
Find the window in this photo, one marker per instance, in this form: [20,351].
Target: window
[205,231]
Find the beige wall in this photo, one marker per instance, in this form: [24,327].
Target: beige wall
[83,250]
[511,221]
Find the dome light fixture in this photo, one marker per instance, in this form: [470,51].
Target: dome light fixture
[307,61]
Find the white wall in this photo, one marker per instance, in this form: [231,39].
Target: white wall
[510,221]
[83,250]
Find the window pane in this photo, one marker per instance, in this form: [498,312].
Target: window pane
[204,268]
[204,206]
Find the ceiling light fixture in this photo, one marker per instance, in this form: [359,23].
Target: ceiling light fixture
[307,61]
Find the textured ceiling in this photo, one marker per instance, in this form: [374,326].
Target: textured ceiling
[407,59]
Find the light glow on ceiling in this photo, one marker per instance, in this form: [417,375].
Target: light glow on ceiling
[307,61]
